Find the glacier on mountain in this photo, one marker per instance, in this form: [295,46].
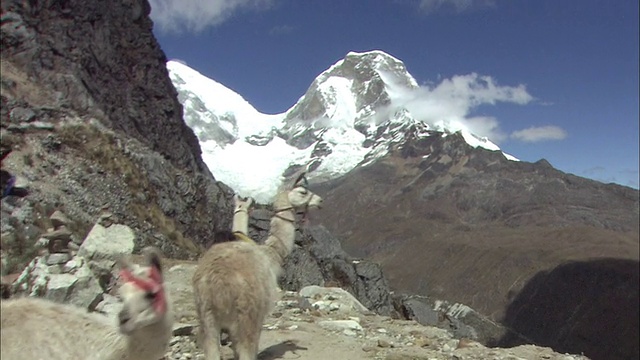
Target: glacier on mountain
[350,115]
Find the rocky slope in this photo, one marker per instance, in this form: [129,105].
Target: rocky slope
[522,243]
[101,57]
[94,124]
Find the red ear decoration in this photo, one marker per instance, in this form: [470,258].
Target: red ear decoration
[153,285]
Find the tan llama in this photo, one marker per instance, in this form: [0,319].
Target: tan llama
[235,284]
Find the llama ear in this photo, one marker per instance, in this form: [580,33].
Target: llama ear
[301,180]
[250,200]
[153,257]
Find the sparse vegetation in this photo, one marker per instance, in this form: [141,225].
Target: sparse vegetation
[165,225]
[102,147]
[104,150]
[18,246]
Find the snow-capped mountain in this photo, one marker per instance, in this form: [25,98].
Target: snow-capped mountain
[351,115]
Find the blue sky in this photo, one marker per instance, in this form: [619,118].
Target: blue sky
[575,61]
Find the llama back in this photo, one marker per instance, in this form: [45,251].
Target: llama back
[28,321]
[235,275]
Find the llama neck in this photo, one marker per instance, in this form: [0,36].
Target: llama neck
[240,222]
[282,233]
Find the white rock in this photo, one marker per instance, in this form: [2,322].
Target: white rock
[108,243]
[72,264]
[337,295]
[321,305]
[59,287]
[349,332]
[340,325]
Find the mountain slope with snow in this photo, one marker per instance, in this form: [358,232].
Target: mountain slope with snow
[351,115]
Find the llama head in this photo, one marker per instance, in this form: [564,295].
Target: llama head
[142,292]
[242,204]
[301,198]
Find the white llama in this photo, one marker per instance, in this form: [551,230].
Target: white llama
[235,284]
[35,328]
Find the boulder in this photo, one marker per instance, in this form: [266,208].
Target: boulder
[462,321]
[333,298]
[59,287]
[318,259]
[58,258]
[110,243]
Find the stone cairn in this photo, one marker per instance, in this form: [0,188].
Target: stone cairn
[68,270]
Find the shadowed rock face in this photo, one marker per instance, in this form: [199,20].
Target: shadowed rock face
[318,259]
[586,306]
[97,55]
[452,222]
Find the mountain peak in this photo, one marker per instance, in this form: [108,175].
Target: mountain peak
[352,114]
[364,66]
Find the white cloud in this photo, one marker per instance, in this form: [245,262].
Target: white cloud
[196,15]
[488,127]
[450,104]
[541,133]
[459,6]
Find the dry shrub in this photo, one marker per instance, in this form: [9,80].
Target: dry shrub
[102,147]
[164,224]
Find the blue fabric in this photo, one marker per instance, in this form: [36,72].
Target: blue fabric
[9,186]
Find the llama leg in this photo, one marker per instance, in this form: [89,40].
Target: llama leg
[246,343]
[210,338]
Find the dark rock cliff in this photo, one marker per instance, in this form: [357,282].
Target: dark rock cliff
[101,55]
[96,127]
[593,304]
